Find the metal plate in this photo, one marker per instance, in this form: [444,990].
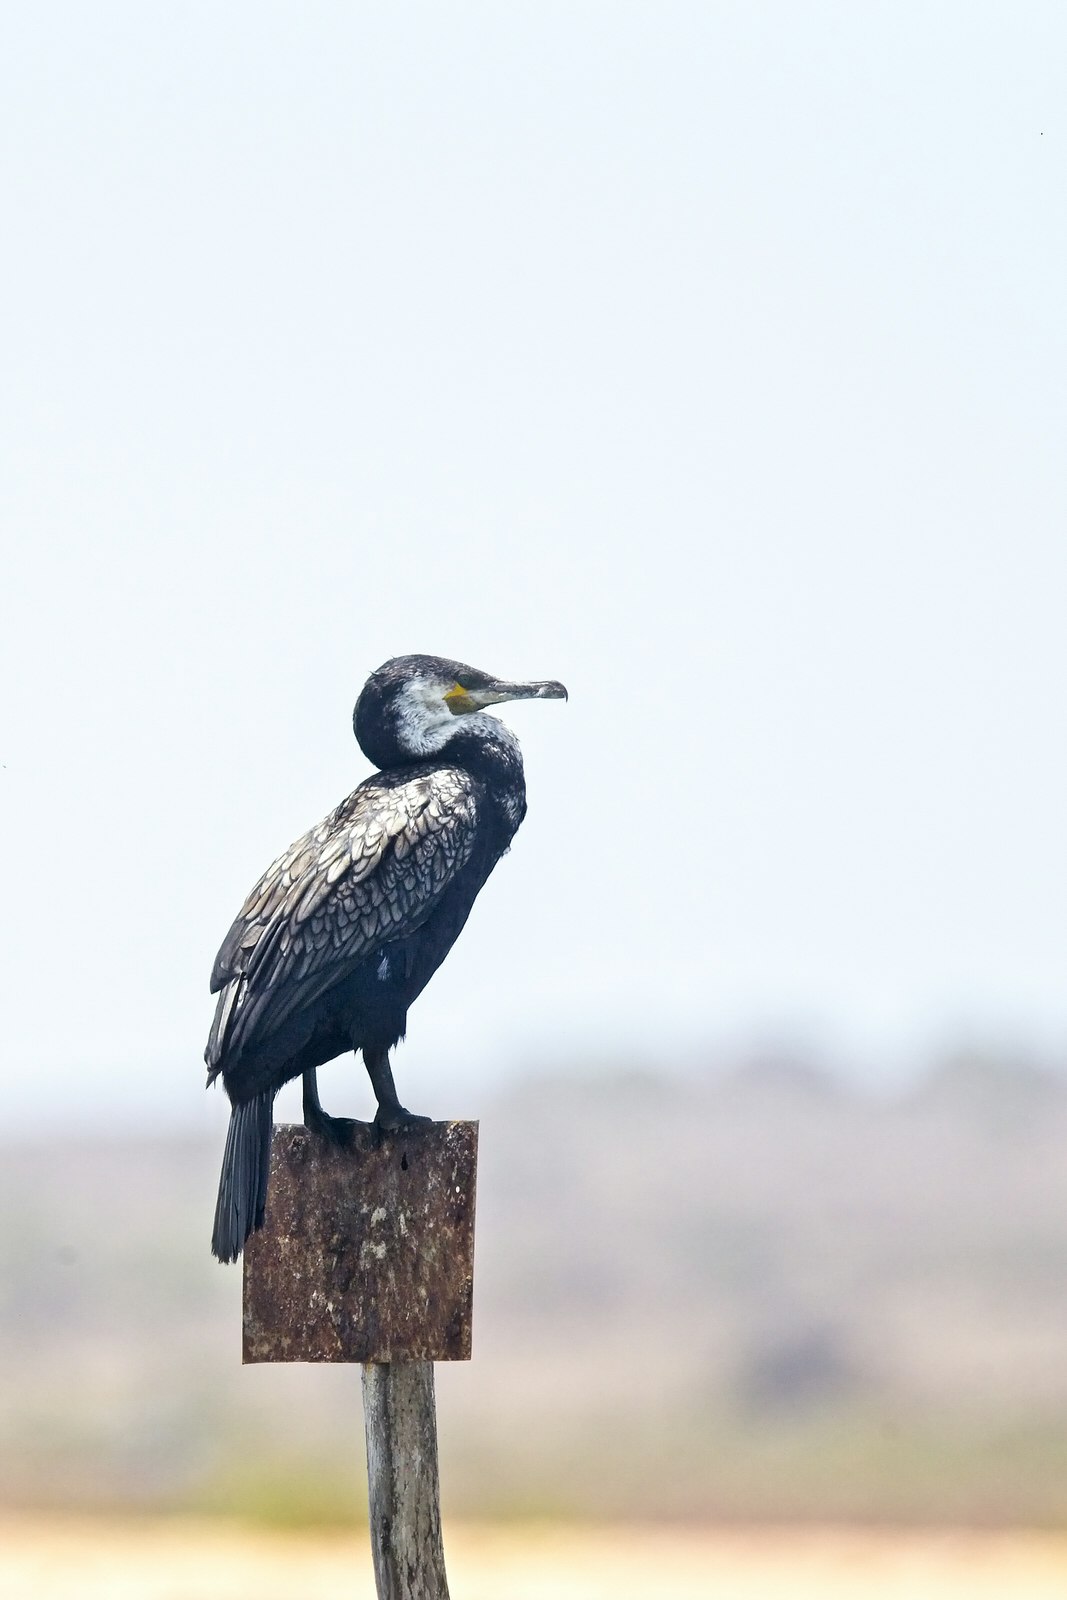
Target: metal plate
[366,1254]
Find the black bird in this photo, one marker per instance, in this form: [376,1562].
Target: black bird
[345,929]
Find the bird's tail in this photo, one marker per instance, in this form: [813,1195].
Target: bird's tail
[245,1170]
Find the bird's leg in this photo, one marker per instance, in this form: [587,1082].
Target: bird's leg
[336,1130]
[391,1116]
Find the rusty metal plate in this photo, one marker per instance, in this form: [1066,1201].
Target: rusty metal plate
[366,1254]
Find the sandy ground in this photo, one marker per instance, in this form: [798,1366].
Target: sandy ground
[48,1559]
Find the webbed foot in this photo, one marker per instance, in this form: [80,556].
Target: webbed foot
[338,1131]
[397,1119]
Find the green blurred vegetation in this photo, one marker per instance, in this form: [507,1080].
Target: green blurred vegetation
[737,1294]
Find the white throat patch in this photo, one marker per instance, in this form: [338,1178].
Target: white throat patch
[425,724]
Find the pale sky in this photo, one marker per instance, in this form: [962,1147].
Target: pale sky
[708,357]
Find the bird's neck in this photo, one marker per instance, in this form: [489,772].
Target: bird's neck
[487,749]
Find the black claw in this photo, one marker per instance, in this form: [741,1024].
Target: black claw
[397,1119]
[338,1131]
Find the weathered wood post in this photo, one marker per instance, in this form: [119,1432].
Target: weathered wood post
[367,1255]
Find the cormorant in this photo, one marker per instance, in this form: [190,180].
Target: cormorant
[345,929]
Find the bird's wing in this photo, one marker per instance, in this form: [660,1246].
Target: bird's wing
[372,871]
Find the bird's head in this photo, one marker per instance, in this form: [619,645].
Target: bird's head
[409,708]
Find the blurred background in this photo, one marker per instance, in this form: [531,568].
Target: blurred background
[710,359]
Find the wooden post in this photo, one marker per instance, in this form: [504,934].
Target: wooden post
[405,1495]
[367,1255]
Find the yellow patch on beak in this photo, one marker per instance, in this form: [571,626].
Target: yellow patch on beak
[458,700]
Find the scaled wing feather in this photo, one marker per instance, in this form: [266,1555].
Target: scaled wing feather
[372,871]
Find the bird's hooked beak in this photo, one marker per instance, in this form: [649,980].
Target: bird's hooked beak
[460,700]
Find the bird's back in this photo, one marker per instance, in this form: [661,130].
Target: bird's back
[367,880]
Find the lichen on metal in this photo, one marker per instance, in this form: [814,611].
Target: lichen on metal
[367,1252]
